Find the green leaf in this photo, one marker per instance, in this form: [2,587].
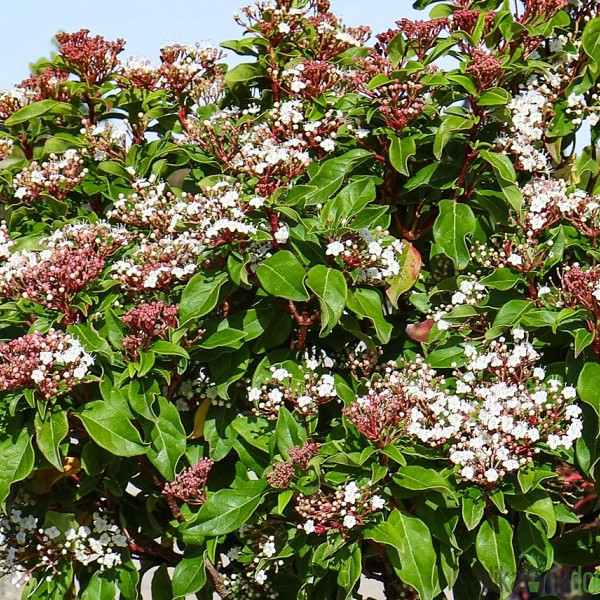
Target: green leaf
[288,432]
[366,303]
[473,508]
[503,167]
[494,97]
[162,588]
[449,126]
[27,113]
[502,279]
[329,285]
[583,338]
[401,149]
[189,576]
[511,313]
[167,439]
[415,477]
[224,511]
[413,556]
[588,385]
[18,457]
[494,548]
[454,223]
[243,72]
[100,587]
[111,428]
[282,275]
[200,295]
[590,42]
[50,432]
[165,348]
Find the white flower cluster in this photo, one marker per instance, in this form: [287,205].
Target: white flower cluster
[375,257]
[71,355]
[529,109]
[102,236]
[470,293]
[6,243]
[546,201]
[347,508]
[279,146]
[192,392]
[242,586]
[27,549]
[155,264]
[305,394]
[499,412]
[14,99]
[215,217]
[55,177]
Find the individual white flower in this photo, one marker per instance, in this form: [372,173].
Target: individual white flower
[515,260]
[281,374]
[491,475]
[377,502]
[349,521]
[309,526]
[269,549]
[37,375]
[328,145]
[351,493]
[260,577]
[282,234]
[569,392]
[334,248]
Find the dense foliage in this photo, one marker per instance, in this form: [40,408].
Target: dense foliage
[333,312]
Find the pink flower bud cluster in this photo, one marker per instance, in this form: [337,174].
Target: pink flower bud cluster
[51,364]
[49,84]
[154,265]
[582,288]
[485,69]
[71,259]
[93,58]
[332,37]
[183,66]
[284,471]
[275,22]
[146,322]
[346,508]
[305,393]
[379,415]
[376,257]
[190,486]
[55,177]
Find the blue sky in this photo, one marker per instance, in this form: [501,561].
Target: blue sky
[146,25]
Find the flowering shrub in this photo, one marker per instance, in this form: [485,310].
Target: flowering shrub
[332,313]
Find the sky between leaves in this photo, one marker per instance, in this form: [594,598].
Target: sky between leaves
[147,25]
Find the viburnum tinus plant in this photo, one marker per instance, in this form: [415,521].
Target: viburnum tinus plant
[332,313]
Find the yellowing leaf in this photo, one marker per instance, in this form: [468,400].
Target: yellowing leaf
[199,419]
